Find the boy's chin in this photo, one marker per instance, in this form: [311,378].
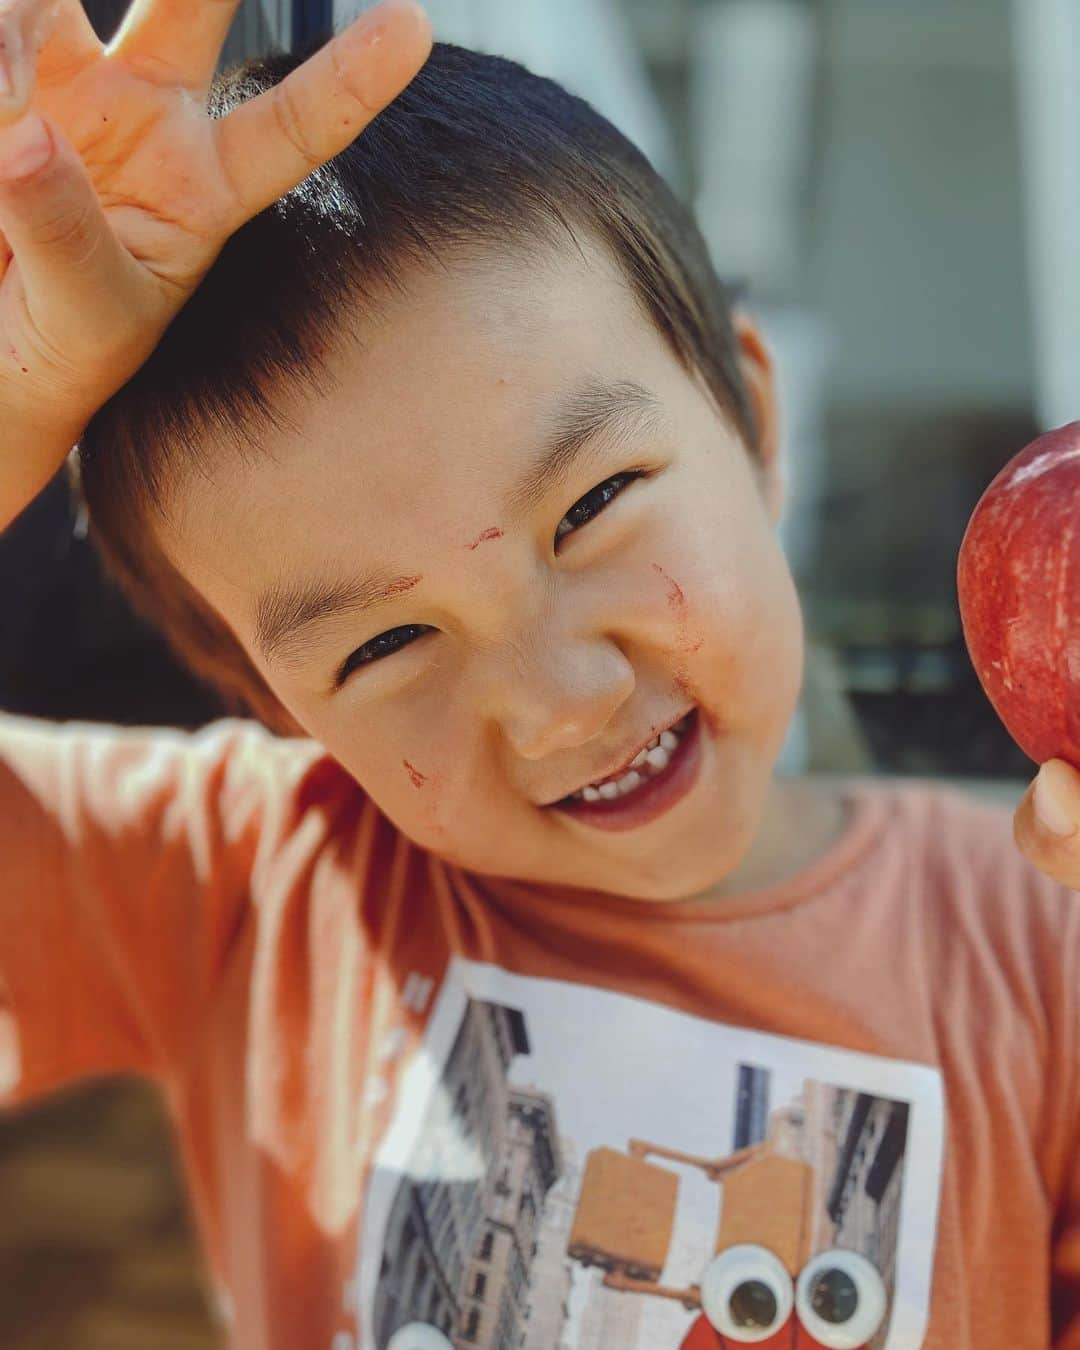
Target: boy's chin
[685,883]
[629,883]
[667,881]
[686,868]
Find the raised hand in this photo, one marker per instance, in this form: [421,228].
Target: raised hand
[117,190]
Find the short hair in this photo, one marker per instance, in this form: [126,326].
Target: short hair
[475,151]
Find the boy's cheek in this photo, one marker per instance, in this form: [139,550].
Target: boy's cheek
[737,642]
[438,794]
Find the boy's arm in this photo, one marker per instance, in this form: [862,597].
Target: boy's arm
[128,860]
[123,853]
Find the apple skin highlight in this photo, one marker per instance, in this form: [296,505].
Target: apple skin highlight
[1018,581]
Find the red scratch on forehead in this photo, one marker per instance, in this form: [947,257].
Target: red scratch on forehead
[418,778]
[675,591]
[403,584]
[493,532]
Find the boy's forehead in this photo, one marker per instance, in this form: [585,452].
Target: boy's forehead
[470,320]
[435,396]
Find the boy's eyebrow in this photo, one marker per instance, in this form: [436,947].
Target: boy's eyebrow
[286,610]
[596,410]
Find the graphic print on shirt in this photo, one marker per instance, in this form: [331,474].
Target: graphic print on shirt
[571,1167]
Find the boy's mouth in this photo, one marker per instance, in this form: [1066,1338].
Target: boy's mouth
[659,774]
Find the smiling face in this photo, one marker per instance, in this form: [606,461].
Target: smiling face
[513,543]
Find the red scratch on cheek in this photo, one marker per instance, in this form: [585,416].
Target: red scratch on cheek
[493,532]
[676,598]
[418,778]
[403,584]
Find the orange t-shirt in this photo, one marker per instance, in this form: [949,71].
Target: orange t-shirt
[421,1109]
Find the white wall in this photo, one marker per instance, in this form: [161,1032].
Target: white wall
[259,25]
[584,44]
[917,250]
[1047,34]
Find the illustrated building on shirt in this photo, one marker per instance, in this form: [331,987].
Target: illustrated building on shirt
[864,1195]
[552,1270]
[609,1317]
[495,1312]
[751,1106]
[460,1239]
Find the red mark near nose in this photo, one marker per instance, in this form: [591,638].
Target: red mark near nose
[676,598]
[493,532]
[403,584]
[418,778]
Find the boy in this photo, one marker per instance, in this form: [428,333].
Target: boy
[506,999]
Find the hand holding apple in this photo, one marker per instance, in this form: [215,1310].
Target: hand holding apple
[1018,580]
[1046,825]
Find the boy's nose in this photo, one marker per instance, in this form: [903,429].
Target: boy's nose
[562,699]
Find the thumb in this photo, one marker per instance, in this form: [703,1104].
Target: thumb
[78,283]
[1047,823]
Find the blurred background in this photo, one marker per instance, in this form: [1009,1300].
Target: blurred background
[898,187]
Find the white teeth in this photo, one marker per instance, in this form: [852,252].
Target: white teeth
[651,760]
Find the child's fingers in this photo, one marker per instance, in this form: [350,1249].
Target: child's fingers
[77,279]
[1047,823]
[182,38]
[39,36]
[271,143]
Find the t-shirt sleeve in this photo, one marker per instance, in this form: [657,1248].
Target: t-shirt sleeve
[1066,1232]
[1023,931]
[125,863]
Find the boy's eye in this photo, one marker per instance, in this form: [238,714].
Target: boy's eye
[393,639]
[593,503]
[377,647]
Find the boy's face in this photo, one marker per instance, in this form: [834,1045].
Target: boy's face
[562,628]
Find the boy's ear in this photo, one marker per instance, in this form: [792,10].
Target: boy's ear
[759,377]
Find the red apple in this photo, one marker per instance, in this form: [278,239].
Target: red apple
[1019,585]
